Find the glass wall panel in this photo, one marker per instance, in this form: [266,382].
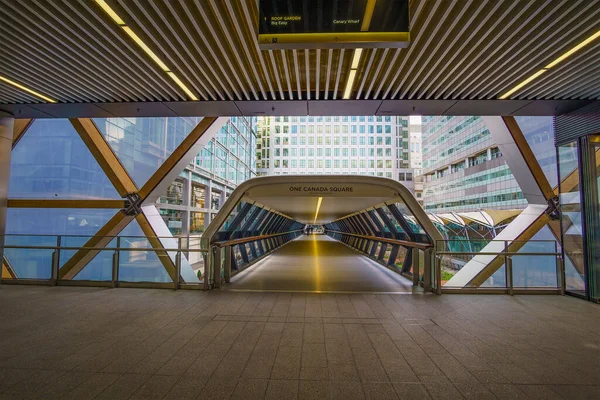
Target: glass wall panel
[197,222]
[51,161]
[139,265]
[536,271]
[572,217]
[143,144]
[392,219]
[539,133]
[401,257]
[410,218]
[174,194]
[173,219]
[37,221]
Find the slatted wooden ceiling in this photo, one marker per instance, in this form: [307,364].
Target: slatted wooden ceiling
[72,51]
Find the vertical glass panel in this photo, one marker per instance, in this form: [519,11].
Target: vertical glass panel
[28,225]
[400,258]
[536,270]
[392,219]
[99,268]
[592,187]
[227,224]
[174,220]
[410,218]
[571,214]
[143,144]
[539,133]
[136,264]
[197,222]
[376,216]
[51,161]
[497,280]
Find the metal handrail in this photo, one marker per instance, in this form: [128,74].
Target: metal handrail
[496,253]
[405,243]
[250,239]
[106,248]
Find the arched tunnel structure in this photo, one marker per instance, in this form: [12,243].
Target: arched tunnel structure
[367,220]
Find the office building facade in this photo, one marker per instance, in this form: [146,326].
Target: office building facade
[463,169]
[357,145]
[195,197]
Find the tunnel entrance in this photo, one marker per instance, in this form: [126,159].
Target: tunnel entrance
[376,237]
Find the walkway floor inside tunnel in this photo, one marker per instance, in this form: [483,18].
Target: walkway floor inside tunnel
[318,263]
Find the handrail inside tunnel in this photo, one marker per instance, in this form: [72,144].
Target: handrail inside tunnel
[376,216]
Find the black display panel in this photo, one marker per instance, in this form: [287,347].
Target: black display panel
[298,21]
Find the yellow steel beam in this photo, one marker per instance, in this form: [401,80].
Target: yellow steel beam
[19,128]
[529,157]
[106,158]
[56,203]
[7,271]
[176,156]
[163,256]
[514,246]
[100,240]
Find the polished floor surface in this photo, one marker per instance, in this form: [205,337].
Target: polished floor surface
[91,343]
[319,263]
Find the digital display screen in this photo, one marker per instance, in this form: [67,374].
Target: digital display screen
[320,16]
[288,21]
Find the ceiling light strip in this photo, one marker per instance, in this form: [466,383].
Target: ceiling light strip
[358,52]
[26,89]
[554,63]
[115,17]
[318,208]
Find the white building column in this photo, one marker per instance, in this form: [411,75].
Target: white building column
[6,140]
[187,202]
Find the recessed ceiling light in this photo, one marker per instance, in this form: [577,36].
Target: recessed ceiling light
[554,63]
[26,89]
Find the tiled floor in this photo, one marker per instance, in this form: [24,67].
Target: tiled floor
[322,264]
[79,343]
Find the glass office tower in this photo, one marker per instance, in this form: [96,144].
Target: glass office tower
[463,168]
[201,189]
[377,146]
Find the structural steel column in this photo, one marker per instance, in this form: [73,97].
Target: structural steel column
[6,141]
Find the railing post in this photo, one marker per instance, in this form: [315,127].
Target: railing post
[115,264]
[437,274]
[178,264]
[560,270]
[227,265]
[216,267]
[509,270]
[415,264]
[427,269]
[55,262]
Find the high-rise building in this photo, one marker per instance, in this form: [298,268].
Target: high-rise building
[463,168]
[377,146]
[197,195]
[416,155]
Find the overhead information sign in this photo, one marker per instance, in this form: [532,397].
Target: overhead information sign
[305,24]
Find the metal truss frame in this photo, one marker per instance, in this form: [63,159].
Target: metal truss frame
[540,194]
[130,207]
